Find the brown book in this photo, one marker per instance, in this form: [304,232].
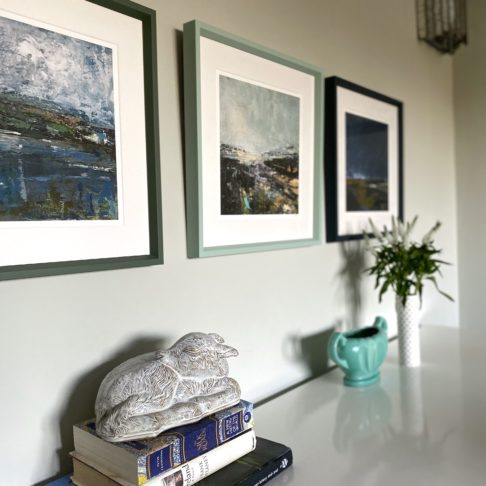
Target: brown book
[85,475]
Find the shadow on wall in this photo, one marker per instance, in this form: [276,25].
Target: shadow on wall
[179,36]
[311,351]
[351,275]
[80,404]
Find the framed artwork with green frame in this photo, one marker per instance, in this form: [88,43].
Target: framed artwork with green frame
[79,151]
[253,142]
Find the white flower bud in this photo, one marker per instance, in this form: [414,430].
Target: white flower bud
[394,230]
[428,237]
[375,231]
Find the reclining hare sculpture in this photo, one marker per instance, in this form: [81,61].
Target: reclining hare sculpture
[156,391]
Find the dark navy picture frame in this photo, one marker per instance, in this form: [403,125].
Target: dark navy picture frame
[331,154]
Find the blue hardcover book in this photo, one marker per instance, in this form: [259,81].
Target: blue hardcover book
[140,460]
[64,481]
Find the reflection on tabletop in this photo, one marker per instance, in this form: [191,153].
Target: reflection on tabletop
[378,434]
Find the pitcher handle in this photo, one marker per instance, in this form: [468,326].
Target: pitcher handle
[334,342]
[380,323]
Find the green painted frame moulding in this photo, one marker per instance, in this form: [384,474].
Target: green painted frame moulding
[193,32]
[147,17]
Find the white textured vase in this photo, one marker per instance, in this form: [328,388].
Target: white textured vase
[408,330]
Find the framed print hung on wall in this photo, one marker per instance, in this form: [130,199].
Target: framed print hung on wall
[79,158]
[363,159]
[253,120]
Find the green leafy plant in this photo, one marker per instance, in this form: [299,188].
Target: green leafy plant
[401,264]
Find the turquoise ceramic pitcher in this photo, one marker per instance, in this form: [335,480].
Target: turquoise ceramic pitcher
[360,352]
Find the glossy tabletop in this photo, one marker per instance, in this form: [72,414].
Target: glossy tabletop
[418,426]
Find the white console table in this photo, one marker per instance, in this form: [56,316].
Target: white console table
[422,426]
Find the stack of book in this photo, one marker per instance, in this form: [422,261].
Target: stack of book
[221,450]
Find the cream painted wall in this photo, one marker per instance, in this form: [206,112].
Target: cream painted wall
[470,109]
[61,335]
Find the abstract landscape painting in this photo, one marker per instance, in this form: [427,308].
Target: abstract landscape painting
[259,149]
[57,126]
[366,164]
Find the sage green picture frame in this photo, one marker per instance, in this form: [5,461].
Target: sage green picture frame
[147,19]
[194,31]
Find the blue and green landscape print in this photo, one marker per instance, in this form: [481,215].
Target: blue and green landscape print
[366,164]
[259,149]
[57,131]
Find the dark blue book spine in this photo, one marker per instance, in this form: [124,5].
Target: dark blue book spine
[160,461]
[196,439]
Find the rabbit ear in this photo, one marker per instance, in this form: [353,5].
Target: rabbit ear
[216,337]
[226,351]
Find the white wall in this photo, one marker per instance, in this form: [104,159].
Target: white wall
[470,110]
[61,335]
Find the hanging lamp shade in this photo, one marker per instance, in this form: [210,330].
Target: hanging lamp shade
[442,23]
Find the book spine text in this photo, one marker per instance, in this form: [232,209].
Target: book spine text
[196,469]
[196,442]
[269,471]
